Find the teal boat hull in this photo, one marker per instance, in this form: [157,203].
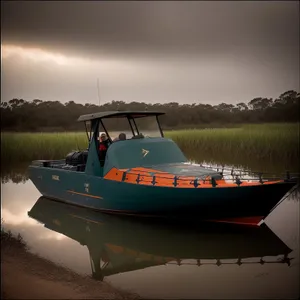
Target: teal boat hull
[110,196]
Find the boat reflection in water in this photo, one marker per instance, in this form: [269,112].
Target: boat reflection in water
[117,244]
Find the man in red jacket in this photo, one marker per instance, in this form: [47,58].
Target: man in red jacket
[103,146]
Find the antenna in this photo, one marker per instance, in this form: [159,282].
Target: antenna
[77,143]
[98,88]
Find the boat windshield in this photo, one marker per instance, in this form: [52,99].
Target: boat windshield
[148,127]
[115,126]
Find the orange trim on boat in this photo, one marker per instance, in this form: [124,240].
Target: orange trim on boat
[145,176]
[75,216]
[147,171]
[115,248]
[82,194]
[253,221]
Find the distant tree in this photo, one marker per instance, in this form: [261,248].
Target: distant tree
[242,106]
[19,114]
[260,103]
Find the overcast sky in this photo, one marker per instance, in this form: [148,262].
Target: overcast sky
[208,52]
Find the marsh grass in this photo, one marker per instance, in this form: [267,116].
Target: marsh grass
[17,173]
[261,141]
[10,240]
[25,147]
[273,143]
[266,142]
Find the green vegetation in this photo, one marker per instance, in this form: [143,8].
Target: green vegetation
[25,147]
[267,141]
[273,144]
[49,116]
[264,147]
[10,240]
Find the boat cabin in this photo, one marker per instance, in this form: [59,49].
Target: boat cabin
[132,139]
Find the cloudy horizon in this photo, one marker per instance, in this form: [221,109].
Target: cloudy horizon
[154,52]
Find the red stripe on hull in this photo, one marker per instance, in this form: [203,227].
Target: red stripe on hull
[253,221]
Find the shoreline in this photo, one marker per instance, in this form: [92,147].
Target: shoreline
[28,276]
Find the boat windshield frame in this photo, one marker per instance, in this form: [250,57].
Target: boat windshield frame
[88,132]
[96,119]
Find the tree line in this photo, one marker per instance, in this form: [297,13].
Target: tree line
[39,115]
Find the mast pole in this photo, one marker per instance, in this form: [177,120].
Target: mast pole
[98,88]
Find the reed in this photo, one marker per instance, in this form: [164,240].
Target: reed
[263,147]
[25,147]
[262,141]
[8,239]
[277,143]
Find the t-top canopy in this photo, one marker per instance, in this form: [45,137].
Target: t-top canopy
[119,114]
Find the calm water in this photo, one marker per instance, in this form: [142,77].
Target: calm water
[160,261]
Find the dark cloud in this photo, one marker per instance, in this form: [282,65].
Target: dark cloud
[153,28]
[156,51]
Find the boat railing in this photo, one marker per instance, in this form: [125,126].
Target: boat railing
[197,262]
[236,171]
[231,176]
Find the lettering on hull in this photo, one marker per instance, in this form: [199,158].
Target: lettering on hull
[86,187]
[145,152]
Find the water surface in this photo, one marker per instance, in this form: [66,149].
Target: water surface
[160,261]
